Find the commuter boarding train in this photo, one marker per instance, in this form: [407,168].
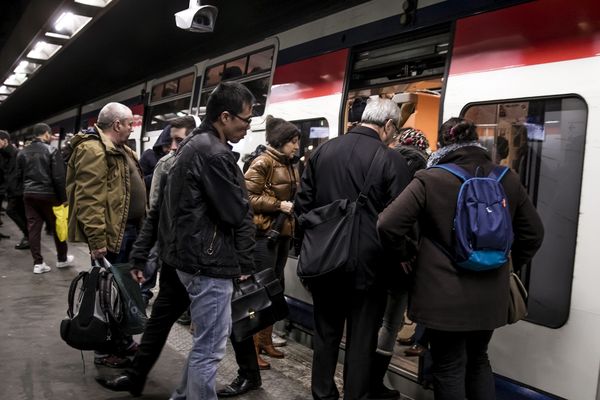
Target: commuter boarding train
[525,72]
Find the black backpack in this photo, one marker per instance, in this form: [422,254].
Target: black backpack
[248,158]
[94,308]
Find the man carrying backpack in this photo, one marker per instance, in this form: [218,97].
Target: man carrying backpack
[461,293]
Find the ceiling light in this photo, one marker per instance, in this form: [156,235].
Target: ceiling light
[57,35]
[15,80]
[95,3]
[70,23]
[6,89]
[26,67]
[2,98]
[43,50]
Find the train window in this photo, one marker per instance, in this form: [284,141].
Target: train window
[159,115]
[186,84]
[178,86]
[543,140]
[252,70]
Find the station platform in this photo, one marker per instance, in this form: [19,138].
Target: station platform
[36,364]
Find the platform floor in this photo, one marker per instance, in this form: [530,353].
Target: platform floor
[36,364]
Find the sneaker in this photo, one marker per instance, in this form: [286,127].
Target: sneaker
[23,244]
[67,263]
[41,268]
[278,341]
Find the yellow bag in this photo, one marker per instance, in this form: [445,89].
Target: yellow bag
[62,226]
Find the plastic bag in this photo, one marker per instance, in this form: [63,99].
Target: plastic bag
[62,225]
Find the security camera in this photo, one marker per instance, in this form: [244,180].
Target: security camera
[197,18]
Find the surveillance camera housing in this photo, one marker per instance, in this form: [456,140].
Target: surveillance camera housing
[197,18]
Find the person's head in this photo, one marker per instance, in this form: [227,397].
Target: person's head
[282,136]
[383,116]
[229,109]
[116,121]
[414,138]
[180,128]
[42,132]
[4,139]
[457,130]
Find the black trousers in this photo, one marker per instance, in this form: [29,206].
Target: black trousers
[15,209]
[336,303]
[245,356]
[171,302]
[461,367]
[39,210]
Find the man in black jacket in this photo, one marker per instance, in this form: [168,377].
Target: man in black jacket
[353,295]
[206,230]
[15,208]
[41,171]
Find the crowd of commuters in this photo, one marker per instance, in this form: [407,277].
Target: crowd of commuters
[188,208]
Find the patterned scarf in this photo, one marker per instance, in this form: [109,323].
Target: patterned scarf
[435,157]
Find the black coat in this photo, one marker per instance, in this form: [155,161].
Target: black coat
[41,171]
[205,218]
[9,170]
[445,297]
[337,170]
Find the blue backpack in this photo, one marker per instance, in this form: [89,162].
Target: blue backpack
[483,232]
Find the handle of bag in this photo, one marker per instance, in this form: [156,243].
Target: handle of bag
[102,263]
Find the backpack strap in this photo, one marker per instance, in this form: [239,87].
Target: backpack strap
[498,173]
[455,170]
[88,303]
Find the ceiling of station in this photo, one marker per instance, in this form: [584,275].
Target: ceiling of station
[132,41]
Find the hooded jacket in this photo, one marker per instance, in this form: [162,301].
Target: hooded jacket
[271,179]
[151,156]
[98,190]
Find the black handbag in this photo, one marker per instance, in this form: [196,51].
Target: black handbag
[250,309]
[279,306]
[329,231]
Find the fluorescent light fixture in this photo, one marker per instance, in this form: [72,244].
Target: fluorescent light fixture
[95,3]
[6,89]
[15,80]
[2,98]
[26,67]
[43,50]
[57,35]
[69,23]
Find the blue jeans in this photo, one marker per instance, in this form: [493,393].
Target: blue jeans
[210,310]
[393,319]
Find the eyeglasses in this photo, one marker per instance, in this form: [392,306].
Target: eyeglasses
[395,125]
[246,120]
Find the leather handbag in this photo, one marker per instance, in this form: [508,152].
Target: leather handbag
[250,309]
[279,306]
[517,305]
[329,231]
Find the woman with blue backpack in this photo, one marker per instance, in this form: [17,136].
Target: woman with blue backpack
[475,218]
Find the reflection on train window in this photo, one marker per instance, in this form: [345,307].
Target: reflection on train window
[253,70]
[313,132]
[160,114]
[178,86]
[543,140]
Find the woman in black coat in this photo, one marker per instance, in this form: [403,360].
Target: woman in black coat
[459,307]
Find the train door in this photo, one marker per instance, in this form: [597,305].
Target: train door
[410,71]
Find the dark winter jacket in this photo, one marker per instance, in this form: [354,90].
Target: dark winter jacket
[445,297]
[206,220]
[9,169]
[151,156]
[41,170]
[337,170]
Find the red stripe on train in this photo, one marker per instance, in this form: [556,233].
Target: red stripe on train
[538,32]
[314,77]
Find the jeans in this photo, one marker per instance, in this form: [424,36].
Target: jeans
[461,367]
[393,319]
[210,310]
[129,236]
[150,273]
[274,256]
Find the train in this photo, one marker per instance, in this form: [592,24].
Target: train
[524,71]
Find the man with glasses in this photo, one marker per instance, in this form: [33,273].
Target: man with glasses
[353,295]
[107,197]
[206,231]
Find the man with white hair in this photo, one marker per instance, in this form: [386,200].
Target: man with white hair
[354,294]
[106,195]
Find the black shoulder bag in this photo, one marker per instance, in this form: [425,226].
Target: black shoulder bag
[329,230]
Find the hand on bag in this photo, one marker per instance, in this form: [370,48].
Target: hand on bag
[137,275]
[286,207]
[98,254]
[244,277]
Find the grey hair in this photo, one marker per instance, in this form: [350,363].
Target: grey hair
[112,112]
[379,111]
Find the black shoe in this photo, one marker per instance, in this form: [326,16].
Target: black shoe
[238,386]
[122,383]
[23,245]
[383,392]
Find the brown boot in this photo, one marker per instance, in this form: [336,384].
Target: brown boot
[265,343]
[262,364]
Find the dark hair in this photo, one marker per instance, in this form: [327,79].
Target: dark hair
[457,130]
[188,122]
[228,96]
[4,135]
[40,129]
